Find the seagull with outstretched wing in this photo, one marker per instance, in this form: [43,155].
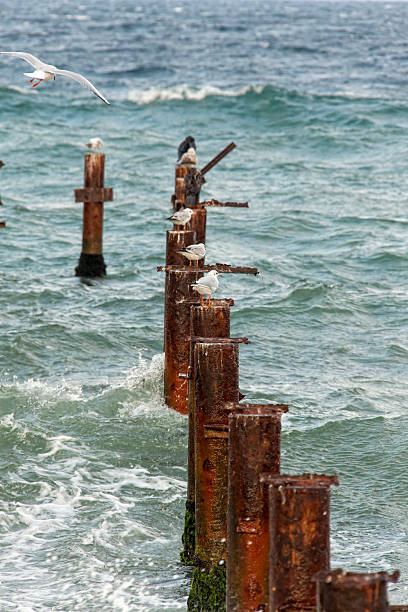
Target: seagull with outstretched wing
[46,72]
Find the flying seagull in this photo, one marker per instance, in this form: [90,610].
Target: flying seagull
[45,72]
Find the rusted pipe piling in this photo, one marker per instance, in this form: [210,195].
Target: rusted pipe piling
[341,591]
[91,262]
[178,240]
[211,323]
[218,158]
[198,223]
[179,297]
[179,197]
[299,515]
[216,386]
[253,448]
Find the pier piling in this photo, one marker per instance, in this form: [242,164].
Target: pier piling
[253,448]
[211,323]
[93,195]
[179,297]
[341,591]
[299,515]
[216,367]
[175,241]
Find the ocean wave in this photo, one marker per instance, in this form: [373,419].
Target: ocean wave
[186,92]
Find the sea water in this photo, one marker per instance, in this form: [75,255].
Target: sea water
[92,462]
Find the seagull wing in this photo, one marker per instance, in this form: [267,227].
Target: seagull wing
[207,281]
[31,59]
[82,81]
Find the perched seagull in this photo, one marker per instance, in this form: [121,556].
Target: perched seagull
[193,252]
[206,285]
[190,157]
[181,217]
[184,146]
[95,144]
[45,72]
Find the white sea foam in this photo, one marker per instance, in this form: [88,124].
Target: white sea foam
[186,92]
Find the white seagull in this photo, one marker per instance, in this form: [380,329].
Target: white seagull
[45,72]
[95,144]
[206,285]
[190,157]
[193,252]
[181,217]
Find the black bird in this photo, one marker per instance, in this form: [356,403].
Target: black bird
[185,145]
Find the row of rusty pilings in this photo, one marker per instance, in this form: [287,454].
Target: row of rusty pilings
[259,539]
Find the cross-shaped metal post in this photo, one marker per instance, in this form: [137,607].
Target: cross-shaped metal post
[93,195]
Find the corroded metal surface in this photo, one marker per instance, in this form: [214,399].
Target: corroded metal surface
[193,181]
[178,301]
[198,223]
[178,240]
[180,173]
[216,383]
[93,211]
[220,267]
[93,195]
[212,322]
[221,340]
[341,591]
[299,515]
[254,447]
[218,158]
[213,203]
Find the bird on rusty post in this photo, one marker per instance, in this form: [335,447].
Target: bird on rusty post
[181,217]
[95,144]
[206,285]
[193,252]
[188,143]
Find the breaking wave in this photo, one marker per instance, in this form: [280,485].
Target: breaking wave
[186,92]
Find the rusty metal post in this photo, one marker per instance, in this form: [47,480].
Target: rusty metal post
[299,511]
[198,223]
[179,297]
[179,197]
[341,591]
[178,240]
[215,388]
[210,323]
[91,262]
[216,384]
[253,448]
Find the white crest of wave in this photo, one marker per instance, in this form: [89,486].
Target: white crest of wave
[44,391]
[144,372]
[186,92]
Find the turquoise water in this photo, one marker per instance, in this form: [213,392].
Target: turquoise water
[92,463]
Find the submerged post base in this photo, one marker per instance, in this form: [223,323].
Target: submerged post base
[188,537]
[208,589]
[90,265]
